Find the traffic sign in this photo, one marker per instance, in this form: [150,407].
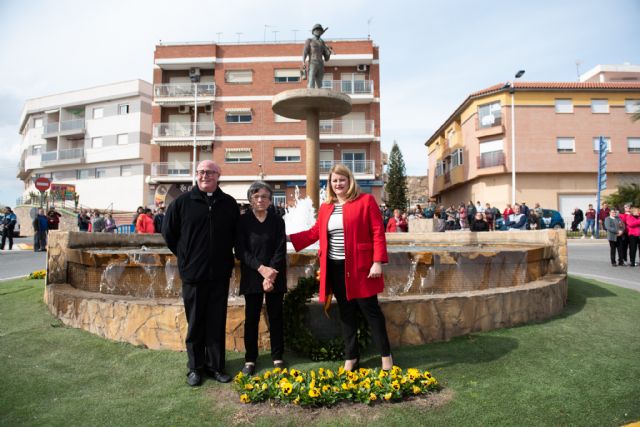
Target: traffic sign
[43,184]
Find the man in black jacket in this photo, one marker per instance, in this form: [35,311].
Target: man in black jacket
[199,228]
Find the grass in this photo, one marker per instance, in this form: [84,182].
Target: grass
[580,368]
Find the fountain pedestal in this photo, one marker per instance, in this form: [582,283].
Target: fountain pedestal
[312,105]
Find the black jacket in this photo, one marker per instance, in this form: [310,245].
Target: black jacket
[261,243]
[201,232]
[480,225]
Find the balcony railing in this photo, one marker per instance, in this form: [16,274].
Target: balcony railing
[447,177]
[493,158]
[350,87]
[171,168]
[183,130]
[346,127]
[183,90]
[76,124]
[358,167]
[51,127]
[69,154]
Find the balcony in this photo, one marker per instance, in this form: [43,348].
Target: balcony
[352,130]
[183,93]
[361,91]
[75,127]
[180,170]
[63,157]
[358,167]
[491,159]
[173,134]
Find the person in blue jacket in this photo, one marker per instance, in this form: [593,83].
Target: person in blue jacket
[40,229]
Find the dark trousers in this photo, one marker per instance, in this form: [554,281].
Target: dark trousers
[205,305]
[7,234]
[348,314]
[624,247]
[633,247]
[615,247]
[39,241]
[252,309]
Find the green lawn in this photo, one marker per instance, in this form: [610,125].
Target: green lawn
[581,368]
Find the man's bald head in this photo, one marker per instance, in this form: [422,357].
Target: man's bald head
[208,174]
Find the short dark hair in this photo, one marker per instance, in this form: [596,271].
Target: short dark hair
[257,186]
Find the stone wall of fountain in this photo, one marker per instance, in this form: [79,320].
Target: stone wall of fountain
[438,285]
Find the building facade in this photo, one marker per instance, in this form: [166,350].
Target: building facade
[95,139]
[217,98]
[557,128]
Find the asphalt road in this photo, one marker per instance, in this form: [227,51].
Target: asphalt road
[587,258]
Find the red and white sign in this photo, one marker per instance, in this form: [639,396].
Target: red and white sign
[43,184]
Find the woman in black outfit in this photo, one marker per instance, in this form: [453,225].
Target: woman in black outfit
[262,250]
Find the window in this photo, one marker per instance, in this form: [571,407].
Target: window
[564,106]
[98,113]
[287,76]
[566,145]
[491,154]
[286,155]
[456,158]
[238,76]
[632,105]
[237,155]
[439,168]
[101,172]
[85,173]
[96,142]
[36,150]
[238,116]
[451,135]
[123,109]
[38,123]
[126,170]
[490,115]
[355,160]
[596,144]
[123,139]
[633,145]
[282,119]
[599,106]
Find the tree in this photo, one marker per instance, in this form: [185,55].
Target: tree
[396,186]
[627,193]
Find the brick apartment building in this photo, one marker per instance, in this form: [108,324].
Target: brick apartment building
[557,126]
[232,86]
[96,140]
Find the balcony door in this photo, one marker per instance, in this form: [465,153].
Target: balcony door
[179,125]
[179,163]
[355,160]
[353,123]
[353,82]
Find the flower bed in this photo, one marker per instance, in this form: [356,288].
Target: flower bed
[325,387]
[38,274]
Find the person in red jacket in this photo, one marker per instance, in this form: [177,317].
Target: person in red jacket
[396,223]
[144,223]
[352,250]
[633,227]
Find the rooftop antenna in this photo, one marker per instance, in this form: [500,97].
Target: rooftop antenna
[239,34]
[295,35]
[578,62]
[369,28]
[219,33]
[275,35]
[265,31]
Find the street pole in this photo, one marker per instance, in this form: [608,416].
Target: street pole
[195,124]
[513,137]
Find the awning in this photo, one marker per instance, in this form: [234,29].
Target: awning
[237,150]
[182,143]
[237,190]
[237,110]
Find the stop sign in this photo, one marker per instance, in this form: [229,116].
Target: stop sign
[43,184]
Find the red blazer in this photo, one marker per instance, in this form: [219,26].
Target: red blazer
[393,225]
[364,243]
[144,225]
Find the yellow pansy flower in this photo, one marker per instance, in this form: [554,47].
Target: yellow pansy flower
[387,396]
[416,389]
[248,386]
[299,379]
[244,398]
[372,396]
[314,392]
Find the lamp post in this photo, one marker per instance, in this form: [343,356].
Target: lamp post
[195,78]
[513,138]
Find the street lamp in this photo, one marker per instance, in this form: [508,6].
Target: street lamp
[195,78]
[513,138]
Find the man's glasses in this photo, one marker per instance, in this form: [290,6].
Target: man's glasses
[207,173]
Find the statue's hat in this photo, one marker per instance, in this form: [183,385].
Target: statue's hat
[318,27]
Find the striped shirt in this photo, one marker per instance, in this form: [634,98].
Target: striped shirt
[336,233]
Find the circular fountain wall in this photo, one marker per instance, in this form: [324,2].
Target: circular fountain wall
[438,285]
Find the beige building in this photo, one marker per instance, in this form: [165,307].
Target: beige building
[557,126]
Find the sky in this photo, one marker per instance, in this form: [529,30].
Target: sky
[433,54]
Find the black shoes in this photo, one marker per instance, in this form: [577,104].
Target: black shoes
[193,378]
[219,376]
[248,369]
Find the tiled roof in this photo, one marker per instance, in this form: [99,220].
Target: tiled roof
[533,86]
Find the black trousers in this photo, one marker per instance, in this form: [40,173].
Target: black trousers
[252,309]
[624,247]
[7,234]
[205,305]
[616,247]
[348,314]
[633,247]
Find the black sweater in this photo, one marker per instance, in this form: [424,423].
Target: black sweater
[261,243]
[201,232]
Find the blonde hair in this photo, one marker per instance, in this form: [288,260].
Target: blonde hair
[354,189]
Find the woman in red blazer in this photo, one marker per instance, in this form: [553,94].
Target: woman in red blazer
[352,250]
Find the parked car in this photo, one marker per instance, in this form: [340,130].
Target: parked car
[551,219]
[16,229]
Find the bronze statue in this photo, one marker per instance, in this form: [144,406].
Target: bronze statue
[318,52]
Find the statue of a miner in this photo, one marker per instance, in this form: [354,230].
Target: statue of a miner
[318,52]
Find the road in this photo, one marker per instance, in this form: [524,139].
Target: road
[588,259]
